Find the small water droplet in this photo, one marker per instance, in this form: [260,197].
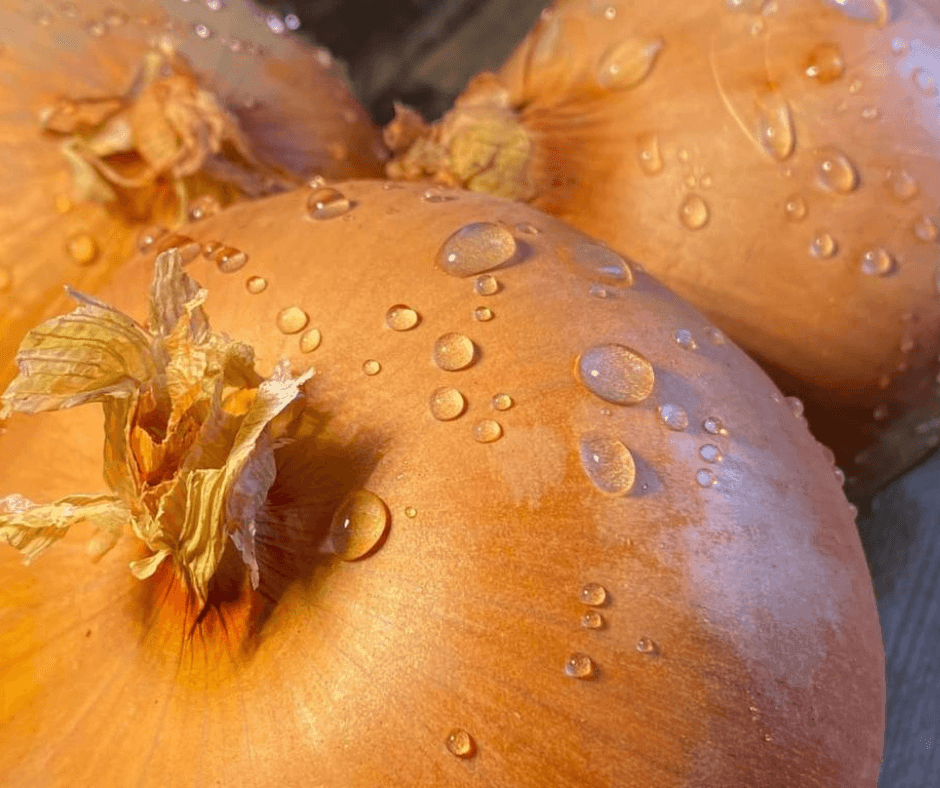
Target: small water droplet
[401,317]
[616,374]
[823,245]
[453,352]
[835,172]
[256,284]
[825,63]
[795,404]
[899,46]
[713,426]
[487,431]
[203,207]
[82,248]
[579,666]
[209,248]
[602,263]
[839,474]
[63,203]
[923,81]
[880,413]
[646,645]
[501,402]
[371,367]
[460,743]
[6,280]
[775,126]
[684,339]
[326,202]
[715,335]
[275,24]
[228,259]
[292,320]
[627,64]
[903,184]
[436,194]
[96,29]
[358,524]
[683,156]
[486,285]
[877,262]
[875,11]
[925,229]
[705,478]
[446,404]
[203,31]
[411,512]
[476,248]
[608,464]
[869,113]
[483,314]
[795,208]
[674,417]
[310,340]
[651,160]
[694,212]
[710,453]
[592,620]
[149,236]
[593,594]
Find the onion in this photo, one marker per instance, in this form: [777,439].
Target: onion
[776,163]
[120,120]
[533,521]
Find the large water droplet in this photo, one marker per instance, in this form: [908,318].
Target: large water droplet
[579,666]
[453,352]
[616,374]
[875,11]
[476,248]
[593,594]
[401,317]
[674,417]
[359,523]
[651,160]
[877,262]
[608,464]
[327,203]
[826,63]
[446,404]
[292,320]
[823,245]
[82,248]
[460,743]
[487,431]
[694,212]
[627,64]
[775,126]
[835,172]
[602,263]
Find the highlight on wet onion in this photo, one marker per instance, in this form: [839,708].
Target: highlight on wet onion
[776,163]
[429,489]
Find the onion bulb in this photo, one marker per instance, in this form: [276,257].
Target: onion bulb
[120,120]
[433,490]
[776,163]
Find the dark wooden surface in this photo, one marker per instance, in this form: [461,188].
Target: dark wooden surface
[422,52]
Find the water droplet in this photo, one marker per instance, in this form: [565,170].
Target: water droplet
[292,320]
[446,404]
[592,620]
[795,208]
[436,194]
[203,31]
[835,172]
[710,453]
[694,212]
[705,478]
[925,229]
[203,207]
[651,160]
[6,280]
[869,113]
[358,524]
[674,417]
[476,248]
[877,262]
[627,64]
[275,24]
[646,645]
[875,11]
[855,86]
[149,237]
[839,474]
[501,402]
[292,22]
[214,5]
[685,340]
[683,156]
[371,367]
[453,352]
[209,248]
[713,426]
[82,248]
[487,431]
[63,203]
[608,464]
[825,63]
[401,317]
[616,374]
[96,29]
[579,666]
[716,336]
[602,263]
[880,413]
[229,259]
[775,126]
[899,46]
[310,340]
[486,285]
[327,203]
[823,245]
[256,284]
[593,594]
[411,512]
[483,314]
[460,743]
[527,229]
[903,185]
[923,81]
[795,404]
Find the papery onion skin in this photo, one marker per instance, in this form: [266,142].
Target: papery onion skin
[741,643]
[290,101]
[693,135]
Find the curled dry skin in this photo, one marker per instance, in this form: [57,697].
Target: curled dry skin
[585,536]
[775,163]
